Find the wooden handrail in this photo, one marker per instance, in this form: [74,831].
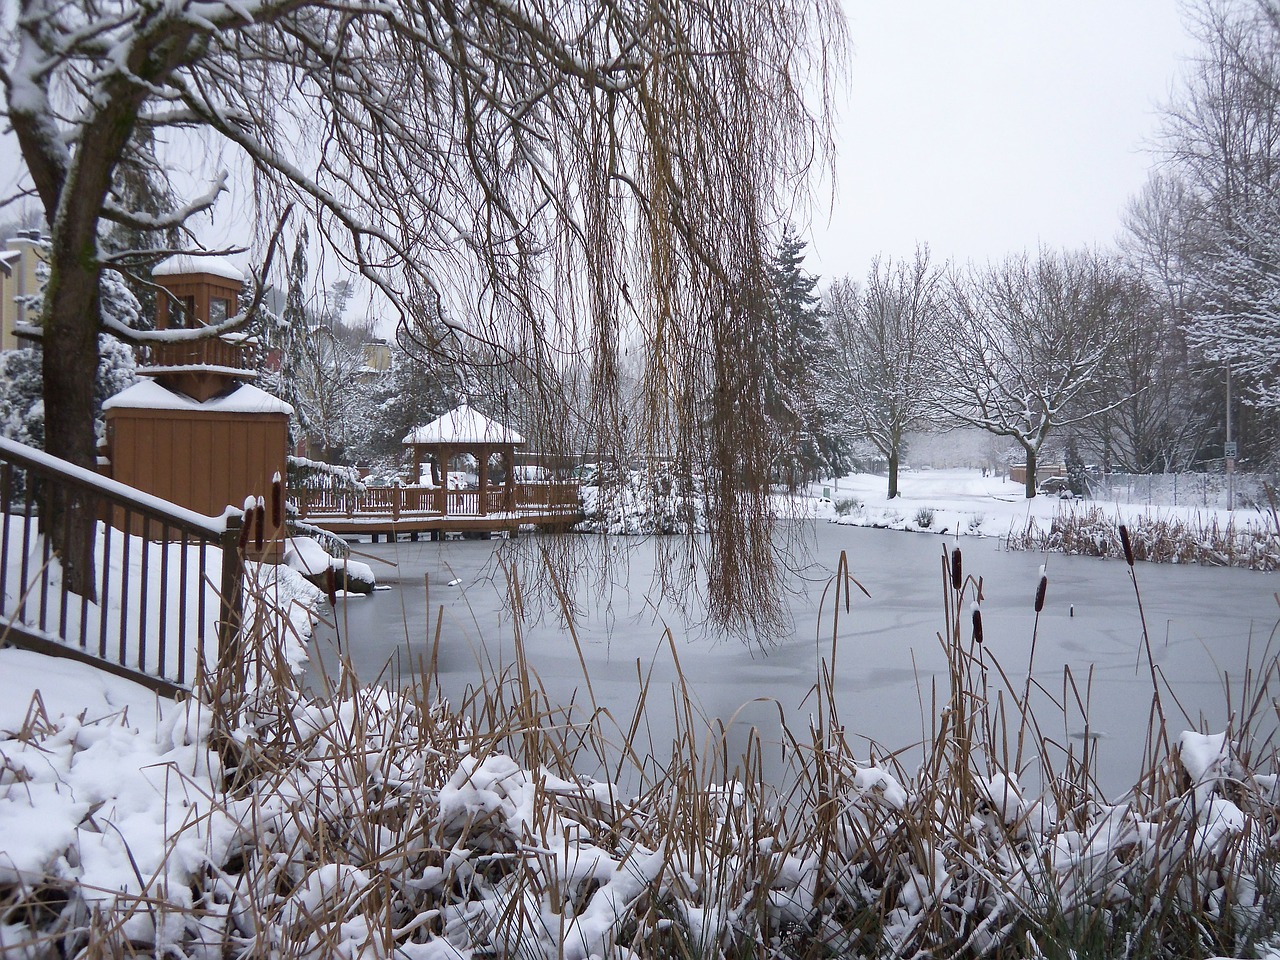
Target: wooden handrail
[396,501]
[214,352]
[153,584]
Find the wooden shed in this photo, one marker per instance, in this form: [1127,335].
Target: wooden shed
[204,456]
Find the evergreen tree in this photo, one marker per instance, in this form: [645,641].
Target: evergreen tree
[21,383]
[806,442]
[134,247]
[411,393]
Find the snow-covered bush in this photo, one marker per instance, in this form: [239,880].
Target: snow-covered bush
[655,500]
[846,506]
[22,388]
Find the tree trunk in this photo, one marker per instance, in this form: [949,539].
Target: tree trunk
[893,474]
[1031,473]
[70,362]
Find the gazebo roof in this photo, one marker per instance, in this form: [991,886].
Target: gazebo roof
[463,426]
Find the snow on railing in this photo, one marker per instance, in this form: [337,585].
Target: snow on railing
[153,592]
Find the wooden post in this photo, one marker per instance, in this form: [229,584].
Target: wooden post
[510,454]
[484,480]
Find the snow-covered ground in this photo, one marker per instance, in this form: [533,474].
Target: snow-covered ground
[964,502]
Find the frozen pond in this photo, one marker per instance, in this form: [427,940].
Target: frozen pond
[1204,624]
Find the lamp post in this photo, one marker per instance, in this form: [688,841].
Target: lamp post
[1229,450]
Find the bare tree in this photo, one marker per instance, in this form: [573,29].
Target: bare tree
[574,177]
[1027,344]
[1156,412]
[880,370]
[1222,144]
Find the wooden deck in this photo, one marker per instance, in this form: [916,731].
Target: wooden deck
[432,510]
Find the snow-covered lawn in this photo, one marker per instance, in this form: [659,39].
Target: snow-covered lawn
[964,502]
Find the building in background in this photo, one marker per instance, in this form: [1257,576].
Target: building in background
[19,279]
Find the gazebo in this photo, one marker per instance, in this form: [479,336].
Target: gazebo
[466,431]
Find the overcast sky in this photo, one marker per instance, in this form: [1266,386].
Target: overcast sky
[985,127]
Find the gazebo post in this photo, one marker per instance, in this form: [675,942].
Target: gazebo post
[484,479]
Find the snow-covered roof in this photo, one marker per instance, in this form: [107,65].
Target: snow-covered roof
[186,263]
[462,425]
[149,395]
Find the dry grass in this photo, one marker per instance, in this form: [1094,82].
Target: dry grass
[1092,532]
[383,823]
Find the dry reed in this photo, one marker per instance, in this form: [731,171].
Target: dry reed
[379,821]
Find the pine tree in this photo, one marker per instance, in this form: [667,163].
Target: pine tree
[805,442]
[134,247]
[411,393]
[21,384]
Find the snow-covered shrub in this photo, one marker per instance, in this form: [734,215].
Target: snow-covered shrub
[22,388]
[845,506]
[654,500]
[924,518]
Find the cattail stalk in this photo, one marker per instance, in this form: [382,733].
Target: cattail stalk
[277,501]
[259,523]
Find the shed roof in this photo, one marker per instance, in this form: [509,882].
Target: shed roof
[149,395]
[181,263]
[463,425]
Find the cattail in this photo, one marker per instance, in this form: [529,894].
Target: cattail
[977,624]
[331,587]
[246,521]
[259,523]
[277,501]
[1128,547]
[1040,592]
[957,577]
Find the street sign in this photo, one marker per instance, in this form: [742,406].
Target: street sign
[1231,450]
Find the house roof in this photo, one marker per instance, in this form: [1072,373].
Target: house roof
[181,263]
[463,425]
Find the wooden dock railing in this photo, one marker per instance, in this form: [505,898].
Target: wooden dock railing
[532,499]
[165,581]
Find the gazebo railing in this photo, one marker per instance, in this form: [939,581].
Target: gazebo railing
[530,498]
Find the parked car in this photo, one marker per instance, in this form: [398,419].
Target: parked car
[532,474]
